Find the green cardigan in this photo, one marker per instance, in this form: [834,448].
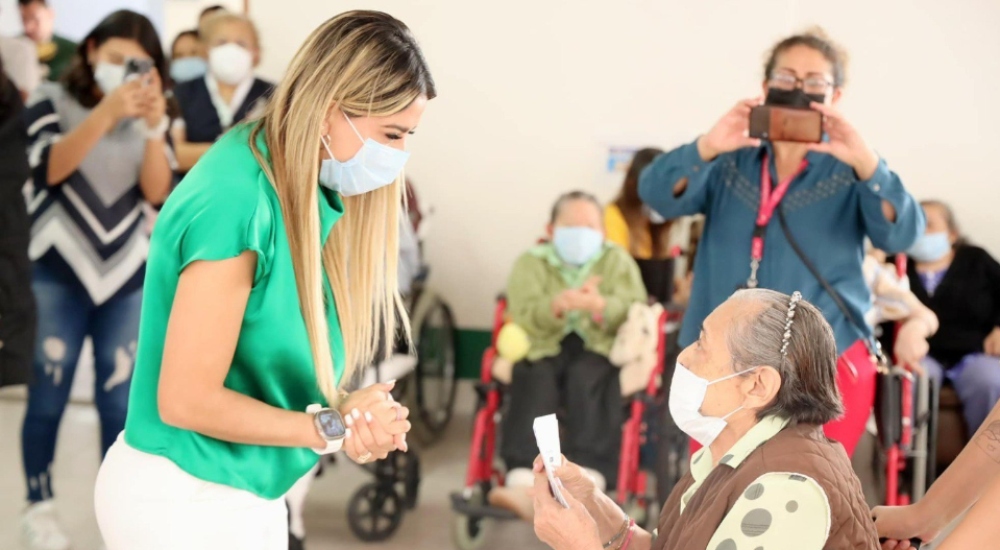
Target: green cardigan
[539,276]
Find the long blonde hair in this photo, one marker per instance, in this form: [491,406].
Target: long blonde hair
[368,64]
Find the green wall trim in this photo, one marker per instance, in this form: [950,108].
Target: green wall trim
[469,347]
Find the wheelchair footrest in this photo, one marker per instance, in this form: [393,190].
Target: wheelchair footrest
[466,508]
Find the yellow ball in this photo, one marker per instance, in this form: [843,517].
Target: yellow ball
[513,343]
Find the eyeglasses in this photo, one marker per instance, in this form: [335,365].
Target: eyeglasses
[810,84]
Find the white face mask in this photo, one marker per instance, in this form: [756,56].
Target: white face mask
[108,76]
[687,393]
[230,63]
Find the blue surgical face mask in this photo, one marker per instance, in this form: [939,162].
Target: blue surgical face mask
[930,247]
[577,245]
[374,166]
[187,68]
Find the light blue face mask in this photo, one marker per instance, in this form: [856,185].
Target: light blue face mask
[930,247]
[187,68]
[374,166]
[577,245]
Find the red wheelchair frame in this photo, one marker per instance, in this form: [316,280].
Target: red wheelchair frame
[481,464]
[482,473]
[632,480]
[903,453]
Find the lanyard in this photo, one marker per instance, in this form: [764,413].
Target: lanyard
[769,201]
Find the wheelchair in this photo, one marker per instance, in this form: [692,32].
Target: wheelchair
[426,382]
[431,392]
[908,413]
[473,513]
[906,419]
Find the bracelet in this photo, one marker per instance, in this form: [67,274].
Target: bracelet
[619,534]
[628,536]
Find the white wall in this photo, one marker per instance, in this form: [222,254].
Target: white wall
[182,15]
[75,18]
[531,92]
[10,21]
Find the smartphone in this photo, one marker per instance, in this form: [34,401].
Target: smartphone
[137,68]
[775,123]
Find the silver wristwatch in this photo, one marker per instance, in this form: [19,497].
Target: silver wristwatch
[330,426]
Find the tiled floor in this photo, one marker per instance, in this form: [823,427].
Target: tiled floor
[425,528]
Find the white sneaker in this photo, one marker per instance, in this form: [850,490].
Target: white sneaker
[40,529]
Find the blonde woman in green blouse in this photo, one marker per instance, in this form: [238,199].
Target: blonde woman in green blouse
[270,269]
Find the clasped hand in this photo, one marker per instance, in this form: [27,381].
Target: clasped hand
[586,298]
[376,423]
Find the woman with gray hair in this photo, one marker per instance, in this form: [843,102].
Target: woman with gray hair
[755,390]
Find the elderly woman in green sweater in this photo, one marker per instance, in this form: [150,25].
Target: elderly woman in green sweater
[570,295]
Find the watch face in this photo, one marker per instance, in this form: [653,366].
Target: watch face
[331,423]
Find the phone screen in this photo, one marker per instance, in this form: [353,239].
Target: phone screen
[137,68]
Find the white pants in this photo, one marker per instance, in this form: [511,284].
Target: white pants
[147,502]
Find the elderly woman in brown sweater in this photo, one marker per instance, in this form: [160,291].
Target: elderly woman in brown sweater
[755,390]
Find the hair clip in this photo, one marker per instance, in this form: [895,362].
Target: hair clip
[789,319]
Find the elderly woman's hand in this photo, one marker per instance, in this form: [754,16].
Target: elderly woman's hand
[911,345]
[563,528]
[575,479]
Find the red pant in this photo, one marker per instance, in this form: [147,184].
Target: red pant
[856,381]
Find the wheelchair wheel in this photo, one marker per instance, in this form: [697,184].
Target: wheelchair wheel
[375,512]
[932,433]
[400,470]
[672,462]
[468,532]
[433,391]
[410,479]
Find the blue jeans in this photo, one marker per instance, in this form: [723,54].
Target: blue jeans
[976,378]
[66,315]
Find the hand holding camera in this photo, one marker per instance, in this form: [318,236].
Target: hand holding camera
[796,116]
[845,143]
[731,132]
[154,104]
[140,94]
